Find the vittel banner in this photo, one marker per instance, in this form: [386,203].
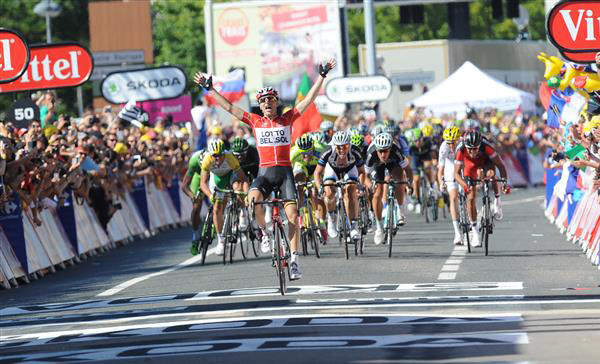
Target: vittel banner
[14,55]
[144,84]
[574,28]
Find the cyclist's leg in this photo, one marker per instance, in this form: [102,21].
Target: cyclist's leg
[260,188]
[329,189]
[300,177]
[416,164]
[197,206]
[397,174]
[288,192]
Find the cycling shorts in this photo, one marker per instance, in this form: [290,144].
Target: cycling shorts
[220,182]
[417,162]
[281,177]
[379,172]
[195,184]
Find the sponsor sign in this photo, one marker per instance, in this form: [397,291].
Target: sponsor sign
[411,78]
[11,221]
[573,27]
[22,112]
[144,84]
[118,57]
[103,71]
[179,108]
[54,66]
[138,193]
[358,89]
[14,55]
[275,42]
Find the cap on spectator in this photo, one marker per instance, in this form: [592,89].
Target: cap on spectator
[145,138]
[120,148]
[50,130]
[216,130]
[516,130]
[505,129]
[184,131]
[21,132]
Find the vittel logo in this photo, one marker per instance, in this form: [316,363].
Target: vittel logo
[54,66]
[14,55]
[574,28]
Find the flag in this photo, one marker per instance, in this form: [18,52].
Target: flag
[558,100]
[231,86]
[311,119]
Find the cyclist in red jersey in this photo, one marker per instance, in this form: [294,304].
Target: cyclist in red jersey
[474,154]
[272,132]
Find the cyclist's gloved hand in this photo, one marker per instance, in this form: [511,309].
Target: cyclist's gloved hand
[506,188]
[325,68]
[203,81]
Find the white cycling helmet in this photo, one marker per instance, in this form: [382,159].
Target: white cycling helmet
[377,129]
[341,138]
[383,141]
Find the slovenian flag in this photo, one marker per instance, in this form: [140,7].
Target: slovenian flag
[231,86]
[311,119]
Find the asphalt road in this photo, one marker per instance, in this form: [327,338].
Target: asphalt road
[535,298]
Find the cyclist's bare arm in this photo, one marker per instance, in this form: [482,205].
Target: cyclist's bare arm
[440,174]
[409,173]
[204,176]
[186,186]
[458,166]
[314,90]
[242,178]
[498,162]
[199,78]
[317,176]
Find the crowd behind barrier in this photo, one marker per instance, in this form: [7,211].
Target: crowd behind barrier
[72,187]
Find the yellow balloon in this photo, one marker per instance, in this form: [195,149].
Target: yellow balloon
[553,65]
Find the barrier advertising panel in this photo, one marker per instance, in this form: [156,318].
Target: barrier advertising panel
[11,221]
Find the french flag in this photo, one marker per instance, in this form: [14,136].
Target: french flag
[231,86]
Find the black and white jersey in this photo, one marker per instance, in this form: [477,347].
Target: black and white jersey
[341,165]
[396,157]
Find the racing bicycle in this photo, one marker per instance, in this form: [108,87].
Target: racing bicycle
[390,218]
[280,247]
[310,232]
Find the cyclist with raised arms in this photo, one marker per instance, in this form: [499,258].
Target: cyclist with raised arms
[383,154]
[191,188]
[221,165]
[472,155]
[445,175]
[273,139]
[340,162]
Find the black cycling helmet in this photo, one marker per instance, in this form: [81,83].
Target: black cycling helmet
[239,145]
[473,139]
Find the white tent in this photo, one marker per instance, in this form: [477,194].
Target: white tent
[471,85]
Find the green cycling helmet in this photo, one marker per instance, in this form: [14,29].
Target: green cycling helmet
[357,140]
[239,145]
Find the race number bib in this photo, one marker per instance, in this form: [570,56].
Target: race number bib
[272,137]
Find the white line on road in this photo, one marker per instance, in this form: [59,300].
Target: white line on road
[131,282]
[524,200]
[452,265]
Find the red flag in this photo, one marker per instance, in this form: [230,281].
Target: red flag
[311,119]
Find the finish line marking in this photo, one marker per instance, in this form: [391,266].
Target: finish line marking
[131,282]
[452,265]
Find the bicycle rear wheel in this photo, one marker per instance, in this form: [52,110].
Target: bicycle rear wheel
[206,236]
[317,240]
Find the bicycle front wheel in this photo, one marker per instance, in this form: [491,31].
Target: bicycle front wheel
[390,227]
[279,262]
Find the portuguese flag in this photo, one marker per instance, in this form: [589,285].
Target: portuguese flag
[311,119]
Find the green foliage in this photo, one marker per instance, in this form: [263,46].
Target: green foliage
[483,26]
[178,27]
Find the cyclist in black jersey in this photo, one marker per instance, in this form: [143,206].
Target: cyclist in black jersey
[247,155]
[383,154]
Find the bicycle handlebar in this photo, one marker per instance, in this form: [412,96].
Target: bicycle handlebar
[392,182]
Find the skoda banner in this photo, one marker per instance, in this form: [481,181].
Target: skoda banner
[358,89]
[144,84]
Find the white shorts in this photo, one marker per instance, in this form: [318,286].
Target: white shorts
[330,174]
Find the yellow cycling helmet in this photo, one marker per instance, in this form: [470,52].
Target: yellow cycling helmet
[427,130]
[451,134]
[216,147]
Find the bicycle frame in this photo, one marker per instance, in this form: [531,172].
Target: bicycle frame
[343,218]
[309,230]
[391,226]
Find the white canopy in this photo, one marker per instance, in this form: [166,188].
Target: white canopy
[471,85]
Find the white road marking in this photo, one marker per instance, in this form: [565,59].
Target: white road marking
[537,235]
[524,200]
[131,282]
[279,321]
[452,265]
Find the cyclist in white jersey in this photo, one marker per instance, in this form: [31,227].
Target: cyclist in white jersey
[445,175]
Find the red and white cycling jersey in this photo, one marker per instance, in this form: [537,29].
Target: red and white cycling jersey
[273,137]
[484,158]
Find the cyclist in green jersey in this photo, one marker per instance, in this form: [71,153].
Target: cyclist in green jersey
[191,188]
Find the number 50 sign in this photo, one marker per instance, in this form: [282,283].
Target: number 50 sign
[22,112]
[574,28]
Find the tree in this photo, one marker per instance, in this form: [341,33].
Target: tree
[435,26]
[178,28]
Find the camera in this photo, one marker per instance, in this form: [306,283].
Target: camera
[558,156]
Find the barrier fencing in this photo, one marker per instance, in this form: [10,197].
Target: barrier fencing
[574,207]
[72,232]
